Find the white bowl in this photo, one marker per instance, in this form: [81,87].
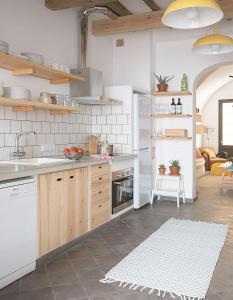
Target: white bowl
[4,47]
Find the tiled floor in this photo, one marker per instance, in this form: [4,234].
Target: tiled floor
[75,274]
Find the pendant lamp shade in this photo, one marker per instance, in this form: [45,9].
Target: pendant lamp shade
[189,14]
[214,44]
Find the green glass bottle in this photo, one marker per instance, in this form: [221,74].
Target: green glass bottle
[184,83]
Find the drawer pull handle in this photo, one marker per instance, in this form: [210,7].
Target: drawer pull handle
[71,177]
[100,167]
[100,178]
[59,179]
[100,192]
[100,205]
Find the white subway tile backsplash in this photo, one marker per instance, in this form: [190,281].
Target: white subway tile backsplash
[65,139]
[36,126]
[31,140]
[106,129]
[66,118]
[79,138]
[122,139]
[96,129]
[54,128]
[31,116]
[116,129]
[111,119]
[58,138]
[21,115]
[16,126]
[122,119]
[5,126]
[2,140]
[94,120]
[126,129]
[126,148]
[26,126]
[49,138]
[73,139]
[117,109]
[36,151]
[58,119]
[101,119]
[41,115]
[10,140]
[111,138]
[106,109]
[40,139]
[2,112]
[73,118]
[45,127]
[49,118]
[96,109]
[9,114]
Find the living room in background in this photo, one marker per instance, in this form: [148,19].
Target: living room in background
[226,126]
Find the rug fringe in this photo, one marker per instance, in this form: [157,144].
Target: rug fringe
[135,286]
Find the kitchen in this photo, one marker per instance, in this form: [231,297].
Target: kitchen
[77,162]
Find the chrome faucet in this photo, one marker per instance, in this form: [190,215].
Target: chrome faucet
[18,154]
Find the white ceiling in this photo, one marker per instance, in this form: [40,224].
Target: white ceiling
[212,83]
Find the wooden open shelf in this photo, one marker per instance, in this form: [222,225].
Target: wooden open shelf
[20,67]
[28,105]
[170,93]
[165,116]
[170,138]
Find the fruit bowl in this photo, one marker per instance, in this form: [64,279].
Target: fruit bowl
[74,153]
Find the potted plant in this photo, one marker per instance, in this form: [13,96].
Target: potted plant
[163,82]
[174,168]
[162,169]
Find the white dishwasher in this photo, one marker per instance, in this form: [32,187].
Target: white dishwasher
[18,219]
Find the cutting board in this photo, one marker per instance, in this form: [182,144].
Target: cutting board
[92,144]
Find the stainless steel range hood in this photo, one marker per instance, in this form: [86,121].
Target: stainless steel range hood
[90,91]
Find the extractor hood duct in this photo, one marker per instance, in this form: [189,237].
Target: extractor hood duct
[90,91]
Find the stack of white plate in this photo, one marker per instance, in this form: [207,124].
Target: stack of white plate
[17,93]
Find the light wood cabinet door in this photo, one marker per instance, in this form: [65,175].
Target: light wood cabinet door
[62,202]
[77,203]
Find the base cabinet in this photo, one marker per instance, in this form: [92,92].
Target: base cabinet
[63,208]
[100,204]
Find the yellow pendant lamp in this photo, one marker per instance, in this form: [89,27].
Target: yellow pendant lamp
[213,44]
[189,14]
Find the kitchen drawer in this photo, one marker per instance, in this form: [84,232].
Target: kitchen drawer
[100,182]
[100,214]
[100,169]
[100,195]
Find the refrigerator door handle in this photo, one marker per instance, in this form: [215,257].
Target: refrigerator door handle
[143,149]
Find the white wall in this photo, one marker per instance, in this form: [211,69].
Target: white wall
[210,114]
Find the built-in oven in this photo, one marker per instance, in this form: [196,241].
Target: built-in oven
[122,189]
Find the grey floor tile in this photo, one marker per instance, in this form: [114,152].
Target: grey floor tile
[62,278]
[37,294]
[59,266]
[69,291]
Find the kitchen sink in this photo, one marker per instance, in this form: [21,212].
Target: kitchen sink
[36,161]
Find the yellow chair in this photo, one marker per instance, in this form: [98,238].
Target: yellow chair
[215,170]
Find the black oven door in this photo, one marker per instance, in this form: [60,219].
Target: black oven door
[122,193]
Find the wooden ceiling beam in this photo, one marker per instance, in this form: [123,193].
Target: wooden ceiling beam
[144,21]
[118,8]
[152,5]
[63,4]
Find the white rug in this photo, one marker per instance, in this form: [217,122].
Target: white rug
[176,260]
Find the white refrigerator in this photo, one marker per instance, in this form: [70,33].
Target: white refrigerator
[141,121]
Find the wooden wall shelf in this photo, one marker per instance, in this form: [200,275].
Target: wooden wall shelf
[170,138]
[165,116]
[20,67]
[28,105]
[170,93]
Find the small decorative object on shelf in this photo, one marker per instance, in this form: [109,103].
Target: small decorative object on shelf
[173,107]
[184,83]
[174,168]
[179,107]
[163,82]
[162,169]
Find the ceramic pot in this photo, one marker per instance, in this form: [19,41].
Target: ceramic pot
[174,171]
[162,171]
[162,87]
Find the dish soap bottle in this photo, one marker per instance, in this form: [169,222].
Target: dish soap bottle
[184,83]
